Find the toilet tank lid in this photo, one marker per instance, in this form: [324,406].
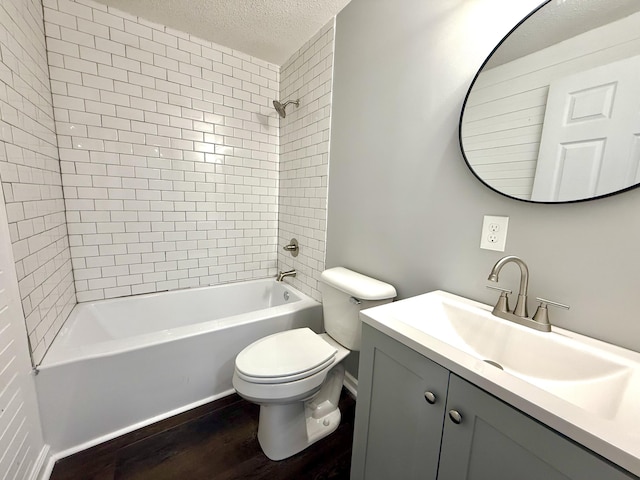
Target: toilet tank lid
[357,285]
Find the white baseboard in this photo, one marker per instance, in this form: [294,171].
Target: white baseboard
[351,384]
[48,469]
[44,465]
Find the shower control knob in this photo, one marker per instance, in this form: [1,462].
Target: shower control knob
[430,397]
[455,417]
[292,248]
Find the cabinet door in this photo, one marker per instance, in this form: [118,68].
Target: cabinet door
[397,430]
[495,441]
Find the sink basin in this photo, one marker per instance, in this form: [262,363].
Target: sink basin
[561,365]
[589,374]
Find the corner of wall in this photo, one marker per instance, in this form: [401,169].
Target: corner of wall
[30,174]
[304,158]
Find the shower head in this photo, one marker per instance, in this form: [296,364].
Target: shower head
[280,107]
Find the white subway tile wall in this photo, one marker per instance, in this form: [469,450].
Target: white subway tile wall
[30,174]
[304,158]
[169,153]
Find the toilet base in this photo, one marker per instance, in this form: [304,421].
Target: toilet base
[281,433]
[287,429]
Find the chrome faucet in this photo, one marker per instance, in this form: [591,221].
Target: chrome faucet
[521,305]
[288,273]
[520,314]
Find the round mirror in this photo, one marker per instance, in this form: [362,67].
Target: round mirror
[553,115]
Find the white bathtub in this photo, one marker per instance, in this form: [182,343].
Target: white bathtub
[123,363]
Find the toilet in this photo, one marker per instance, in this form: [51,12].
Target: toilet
[296,376]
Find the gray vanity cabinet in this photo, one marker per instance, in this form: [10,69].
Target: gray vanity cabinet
[399,434]
[398,430]
[495,441]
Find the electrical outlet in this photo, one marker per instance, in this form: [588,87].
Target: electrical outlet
[494,233]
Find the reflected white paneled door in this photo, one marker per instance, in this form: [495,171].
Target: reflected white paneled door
[590,142]
[21,445]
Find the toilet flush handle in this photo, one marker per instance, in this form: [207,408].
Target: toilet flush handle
[355,301]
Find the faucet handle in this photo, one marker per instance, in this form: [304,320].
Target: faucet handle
[292,247]
[502,305]
[545,302]
[503,290]
[542,313]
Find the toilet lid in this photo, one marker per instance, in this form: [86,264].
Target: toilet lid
[288,354]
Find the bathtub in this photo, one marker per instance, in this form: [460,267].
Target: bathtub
[120,364]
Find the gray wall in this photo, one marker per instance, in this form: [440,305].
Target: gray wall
[403,206]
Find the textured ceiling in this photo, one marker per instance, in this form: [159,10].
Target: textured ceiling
[271,30]
[559,20]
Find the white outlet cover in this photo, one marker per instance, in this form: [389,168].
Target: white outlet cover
[494,233]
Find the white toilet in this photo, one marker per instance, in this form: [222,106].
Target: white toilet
[296,376]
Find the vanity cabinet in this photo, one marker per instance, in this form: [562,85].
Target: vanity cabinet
[400,409]
[454,431]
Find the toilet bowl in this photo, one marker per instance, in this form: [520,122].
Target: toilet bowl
[296,376]
[297,407]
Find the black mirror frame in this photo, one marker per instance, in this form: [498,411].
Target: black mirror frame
[464,104]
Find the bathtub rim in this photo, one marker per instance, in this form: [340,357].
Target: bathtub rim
[122,345]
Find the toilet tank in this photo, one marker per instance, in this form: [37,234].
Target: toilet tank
[344,294]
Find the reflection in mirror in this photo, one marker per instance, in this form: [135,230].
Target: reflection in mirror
[554,113]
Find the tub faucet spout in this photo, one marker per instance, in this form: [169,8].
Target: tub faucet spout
[288,273]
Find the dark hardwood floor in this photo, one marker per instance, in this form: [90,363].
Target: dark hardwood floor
[215,441]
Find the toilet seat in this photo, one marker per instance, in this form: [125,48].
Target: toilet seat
[285,357]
